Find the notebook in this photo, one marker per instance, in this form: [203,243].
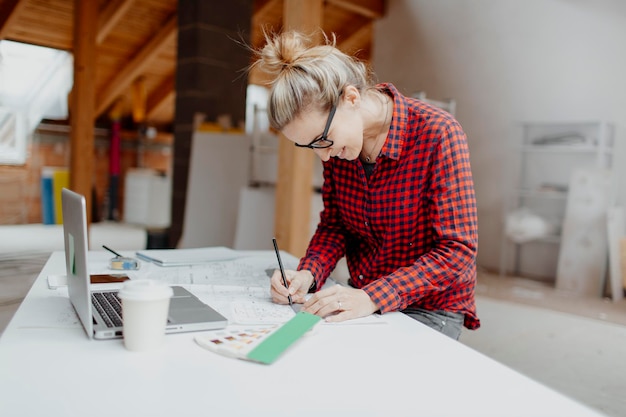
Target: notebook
[103,320]
[178,257]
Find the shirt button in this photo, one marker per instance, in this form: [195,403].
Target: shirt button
[367,224]
[360,276]
[410,243]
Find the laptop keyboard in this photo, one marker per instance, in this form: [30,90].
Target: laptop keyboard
[109,305]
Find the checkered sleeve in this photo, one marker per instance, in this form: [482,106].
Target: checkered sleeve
[327,245]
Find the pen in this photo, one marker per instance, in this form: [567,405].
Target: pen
[112,251]
[282,270]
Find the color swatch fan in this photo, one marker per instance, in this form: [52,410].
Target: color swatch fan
[262,345]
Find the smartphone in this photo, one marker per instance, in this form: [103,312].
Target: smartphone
[108,278]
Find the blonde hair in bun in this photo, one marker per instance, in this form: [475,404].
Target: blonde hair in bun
[304,74]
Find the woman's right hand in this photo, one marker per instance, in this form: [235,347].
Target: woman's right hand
[298,283]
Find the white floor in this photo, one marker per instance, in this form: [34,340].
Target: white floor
[580,357]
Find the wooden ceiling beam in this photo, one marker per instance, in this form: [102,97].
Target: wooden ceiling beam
[110,16]
[48,23]
[268,17]
[161,96]
[9,14]
[357,40]
[139,64]
[372,9]
[267,9]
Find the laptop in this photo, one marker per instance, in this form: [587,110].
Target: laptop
[99,311]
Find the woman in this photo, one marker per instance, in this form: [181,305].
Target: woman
[398,192]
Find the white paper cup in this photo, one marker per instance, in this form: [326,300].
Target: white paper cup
[145,305]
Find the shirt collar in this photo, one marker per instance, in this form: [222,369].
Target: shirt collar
[395,139]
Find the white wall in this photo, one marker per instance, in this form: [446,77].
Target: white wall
[506,61]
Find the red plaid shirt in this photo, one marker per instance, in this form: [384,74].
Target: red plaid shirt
[409,233]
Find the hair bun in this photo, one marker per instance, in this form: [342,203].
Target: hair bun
[282,52]
[302,72]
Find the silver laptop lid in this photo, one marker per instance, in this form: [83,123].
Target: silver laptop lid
[187,312]
[76,247]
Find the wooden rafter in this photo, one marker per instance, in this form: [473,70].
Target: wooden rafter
[267,9]
[143,59]
[110,16]
[49,23]
[161,96]
[9,15]
[267,18]
[372,9]
[358,39]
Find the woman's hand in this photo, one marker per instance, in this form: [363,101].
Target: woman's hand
[339,303]
[298,282]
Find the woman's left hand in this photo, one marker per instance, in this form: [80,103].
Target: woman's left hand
[339,303]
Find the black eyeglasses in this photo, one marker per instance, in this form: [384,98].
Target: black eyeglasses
[322,142]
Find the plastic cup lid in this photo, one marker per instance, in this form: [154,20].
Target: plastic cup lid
[145,289]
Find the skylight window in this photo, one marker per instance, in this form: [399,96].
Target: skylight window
[34,84]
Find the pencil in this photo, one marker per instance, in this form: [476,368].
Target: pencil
[112,251]
[282,270]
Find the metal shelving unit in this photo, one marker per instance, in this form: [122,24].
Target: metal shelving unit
[546,154]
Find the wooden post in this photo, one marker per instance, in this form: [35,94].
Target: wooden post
[83,100]
[294,185]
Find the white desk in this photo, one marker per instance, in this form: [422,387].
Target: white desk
[400,368]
